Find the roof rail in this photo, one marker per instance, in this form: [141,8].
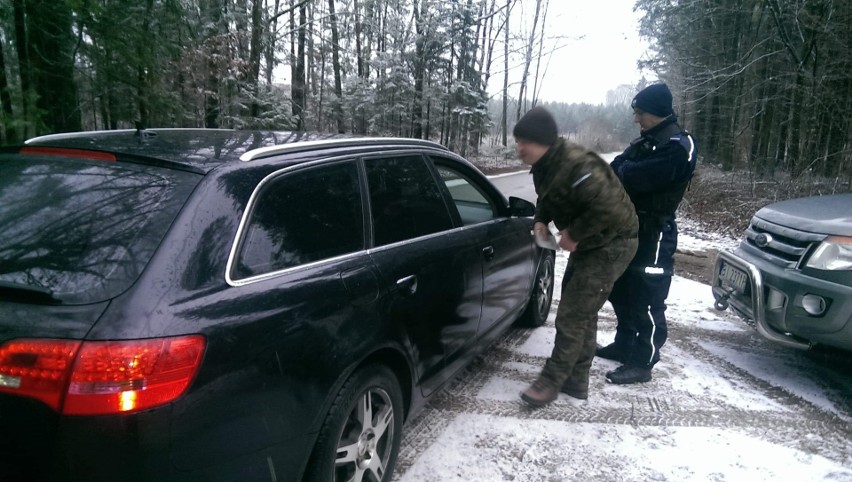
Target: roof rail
[348,142]
[112,132]
[72,135]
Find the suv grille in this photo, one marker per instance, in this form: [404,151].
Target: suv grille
[783,246]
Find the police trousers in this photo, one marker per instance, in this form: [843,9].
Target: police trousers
[639,297]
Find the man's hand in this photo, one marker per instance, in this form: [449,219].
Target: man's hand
[540,229]
[565,241]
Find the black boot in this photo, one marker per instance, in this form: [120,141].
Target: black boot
[612,352]
[627,374]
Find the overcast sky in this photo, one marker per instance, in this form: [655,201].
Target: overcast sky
[595,47]
[598,51]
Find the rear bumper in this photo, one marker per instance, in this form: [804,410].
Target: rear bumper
[773,300]
[38,445]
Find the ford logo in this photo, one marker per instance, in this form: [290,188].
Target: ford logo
[762,240]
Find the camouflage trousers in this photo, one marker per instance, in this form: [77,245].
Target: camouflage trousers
[588,280]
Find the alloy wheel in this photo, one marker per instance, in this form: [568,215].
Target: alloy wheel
[366,443]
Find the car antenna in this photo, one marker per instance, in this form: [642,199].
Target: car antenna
[141,134]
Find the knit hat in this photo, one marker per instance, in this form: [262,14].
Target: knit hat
[537,126]
[655,99]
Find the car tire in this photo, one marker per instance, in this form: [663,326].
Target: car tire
[538,308]
[349,447]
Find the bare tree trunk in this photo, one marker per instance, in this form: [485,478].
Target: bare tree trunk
[212,16]
[297,87]
[335,60]
[46,31]
[319,90]
[795,152]
[535,89]
[428,116]
[255,47]
[25,70]
[488,50]
[7,135]
[142,88]
[527,60]
[270,47]
[238,15]
[419,70]
[505,120]
[310,58]
[358,54]
[359,123]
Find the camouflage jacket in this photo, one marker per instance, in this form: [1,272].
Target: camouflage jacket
[578,191]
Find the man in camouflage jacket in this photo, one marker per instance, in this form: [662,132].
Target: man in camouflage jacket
[586,202]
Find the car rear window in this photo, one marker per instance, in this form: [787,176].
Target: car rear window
[82,230]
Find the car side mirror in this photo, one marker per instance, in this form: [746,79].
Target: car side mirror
[521,207]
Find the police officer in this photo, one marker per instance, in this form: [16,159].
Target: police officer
[655,169]
[581,195]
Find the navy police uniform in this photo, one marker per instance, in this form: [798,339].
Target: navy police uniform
[655,170]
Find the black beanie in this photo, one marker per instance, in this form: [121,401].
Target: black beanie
[655,99]
[537,126]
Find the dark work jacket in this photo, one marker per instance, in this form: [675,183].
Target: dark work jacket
[656,169]
[579,192]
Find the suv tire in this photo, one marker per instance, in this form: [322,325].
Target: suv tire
[538,308]
[350,447]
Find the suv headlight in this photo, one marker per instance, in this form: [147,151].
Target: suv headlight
[834,253]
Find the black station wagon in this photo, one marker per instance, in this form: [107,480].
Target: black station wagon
[180,304]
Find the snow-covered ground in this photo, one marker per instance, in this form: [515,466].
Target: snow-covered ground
[724,405]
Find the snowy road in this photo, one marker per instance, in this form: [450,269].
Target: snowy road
[724,405]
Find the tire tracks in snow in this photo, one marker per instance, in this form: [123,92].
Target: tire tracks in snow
[793,422]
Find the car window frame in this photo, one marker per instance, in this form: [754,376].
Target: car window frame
[475,177]
[242,228]
[488,197]
[427,160]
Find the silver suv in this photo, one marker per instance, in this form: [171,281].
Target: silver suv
[792,274]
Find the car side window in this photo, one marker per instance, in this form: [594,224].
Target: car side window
[473,206]
[404,199]
[303,216]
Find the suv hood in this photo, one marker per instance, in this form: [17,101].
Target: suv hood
[818,214]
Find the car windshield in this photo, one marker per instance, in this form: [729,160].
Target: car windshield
[80,231]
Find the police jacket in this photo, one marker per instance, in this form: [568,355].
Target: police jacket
[579,192]
[655,170]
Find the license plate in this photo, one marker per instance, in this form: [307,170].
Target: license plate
[734,277]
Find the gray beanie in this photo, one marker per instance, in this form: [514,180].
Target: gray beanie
[537,126]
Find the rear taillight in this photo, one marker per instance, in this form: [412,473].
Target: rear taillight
[37,368]
[100,377]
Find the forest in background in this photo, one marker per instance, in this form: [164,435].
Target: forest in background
[764,85]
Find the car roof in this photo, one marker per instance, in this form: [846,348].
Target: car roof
[205,149]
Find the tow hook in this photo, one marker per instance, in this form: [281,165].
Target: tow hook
[721,303]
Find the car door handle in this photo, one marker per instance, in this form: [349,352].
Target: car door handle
[488,253]
[407,285]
